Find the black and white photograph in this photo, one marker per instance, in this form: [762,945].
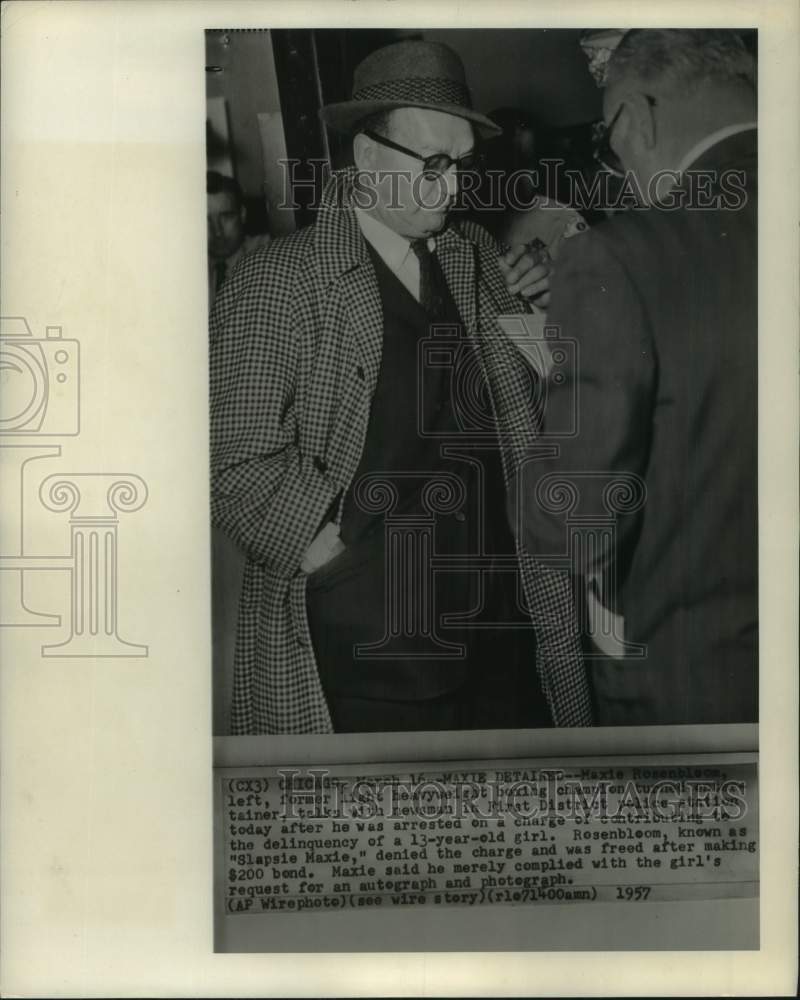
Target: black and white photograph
[483,378]
[399,437]
[484,480]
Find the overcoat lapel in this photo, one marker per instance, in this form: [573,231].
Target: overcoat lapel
[358,290]
[350,312]
[457,258]
[354,304]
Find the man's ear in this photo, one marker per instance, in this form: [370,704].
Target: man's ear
[363,152]
[642,120]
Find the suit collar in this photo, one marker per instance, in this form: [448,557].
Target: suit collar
[727,149]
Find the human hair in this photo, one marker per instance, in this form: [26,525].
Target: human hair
[220,184]
[680,59]
[380,122]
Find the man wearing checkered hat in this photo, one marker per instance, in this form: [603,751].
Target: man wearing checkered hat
[367,411]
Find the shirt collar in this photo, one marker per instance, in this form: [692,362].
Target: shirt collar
[391,246]
[699,148]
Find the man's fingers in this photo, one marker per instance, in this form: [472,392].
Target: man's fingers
[531,281]
[524,269]
[531,291]
[515,263]
[512,255]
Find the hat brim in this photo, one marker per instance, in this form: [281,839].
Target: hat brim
[345,116]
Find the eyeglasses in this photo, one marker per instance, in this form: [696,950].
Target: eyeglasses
[437,164]
[603,153]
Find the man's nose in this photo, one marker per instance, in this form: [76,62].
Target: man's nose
[215,225]
[448,182]
[451,181]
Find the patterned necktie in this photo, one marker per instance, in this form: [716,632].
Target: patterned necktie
[431,279]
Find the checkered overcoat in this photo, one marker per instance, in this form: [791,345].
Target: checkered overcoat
[296,349]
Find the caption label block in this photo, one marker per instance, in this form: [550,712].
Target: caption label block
[331,838]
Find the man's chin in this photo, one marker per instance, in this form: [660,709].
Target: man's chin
[434,222]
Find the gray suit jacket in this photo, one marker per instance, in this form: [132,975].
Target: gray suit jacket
[663,306]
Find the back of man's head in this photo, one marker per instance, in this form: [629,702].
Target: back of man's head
[681,61]
[669,90]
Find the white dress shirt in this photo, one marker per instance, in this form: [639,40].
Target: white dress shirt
[393,249]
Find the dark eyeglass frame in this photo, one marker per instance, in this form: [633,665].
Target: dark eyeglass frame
[603,153]
[437,164]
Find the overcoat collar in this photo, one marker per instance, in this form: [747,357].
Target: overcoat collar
[338,243]
[347,277]
[340,246]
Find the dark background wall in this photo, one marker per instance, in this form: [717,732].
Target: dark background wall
[289,73]
[241,68]
[541,71]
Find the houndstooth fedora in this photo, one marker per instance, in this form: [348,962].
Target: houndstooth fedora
[409,74]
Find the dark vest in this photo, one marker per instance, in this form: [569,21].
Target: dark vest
[416,412]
